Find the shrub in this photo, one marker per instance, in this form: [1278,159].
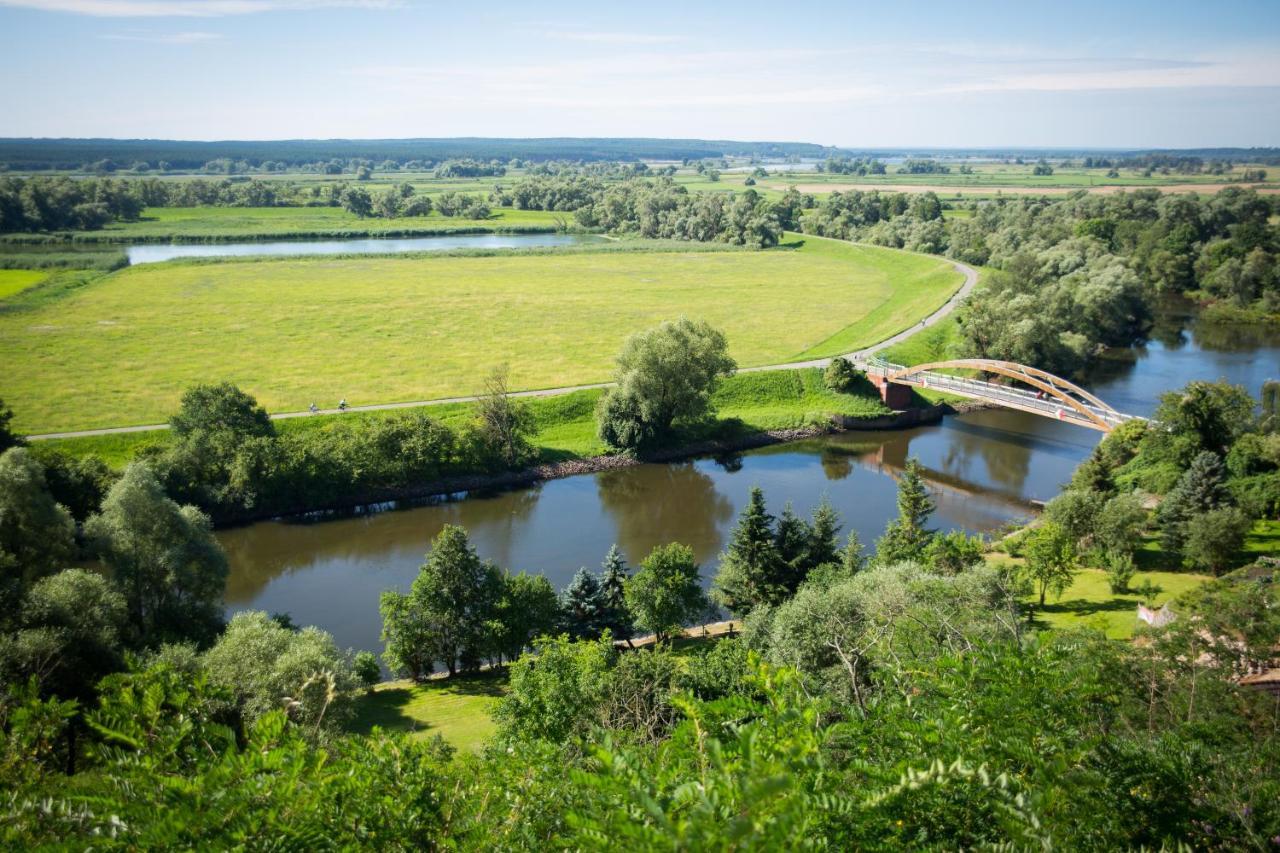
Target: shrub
[841,376]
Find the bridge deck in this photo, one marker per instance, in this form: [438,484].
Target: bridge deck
[1007,396]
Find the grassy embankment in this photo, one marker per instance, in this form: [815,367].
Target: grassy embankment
[13,282]
[120,349]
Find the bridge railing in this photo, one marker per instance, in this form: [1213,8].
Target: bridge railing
[1007,394]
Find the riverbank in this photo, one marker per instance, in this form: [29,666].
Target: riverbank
[463,486]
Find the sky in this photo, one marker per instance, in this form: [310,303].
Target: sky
[1117,74]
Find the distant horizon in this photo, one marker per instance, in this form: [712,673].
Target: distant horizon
[229,140]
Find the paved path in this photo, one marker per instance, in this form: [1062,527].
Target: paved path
[858,356]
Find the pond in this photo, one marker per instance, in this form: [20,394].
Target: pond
[157,252]
[985,469]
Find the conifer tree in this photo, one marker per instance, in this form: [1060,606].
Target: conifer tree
[751,570]
[824,535]
[613,587]
[1201,488]
[583,605]
[906,536]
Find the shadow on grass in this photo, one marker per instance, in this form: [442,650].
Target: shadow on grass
[389,707]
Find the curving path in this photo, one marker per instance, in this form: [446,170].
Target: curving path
[858,357]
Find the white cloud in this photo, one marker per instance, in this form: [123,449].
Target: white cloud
[164,38]
[188,8]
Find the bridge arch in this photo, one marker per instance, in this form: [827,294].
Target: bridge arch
[1086,406]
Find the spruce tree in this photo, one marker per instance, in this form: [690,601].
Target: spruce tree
[824,536]
[750,569]
[583,605]
[853,559]
[906,536]
[792,543]
[613,588]
[1201,488]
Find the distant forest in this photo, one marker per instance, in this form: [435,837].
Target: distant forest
[62,154]
[40,154]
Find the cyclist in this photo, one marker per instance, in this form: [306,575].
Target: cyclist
[342,404]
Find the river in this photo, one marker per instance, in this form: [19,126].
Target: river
[984,468]
[151,253]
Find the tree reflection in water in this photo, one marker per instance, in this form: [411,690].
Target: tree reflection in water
[655,504]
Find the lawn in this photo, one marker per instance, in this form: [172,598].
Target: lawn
[457,709]
[1090,603]
[121,349]
[13,282]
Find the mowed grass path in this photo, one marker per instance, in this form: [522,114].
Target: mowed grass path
[121,350]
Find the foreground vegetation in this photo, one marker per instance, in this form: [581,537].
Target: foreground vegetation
[387,329]
[884,698]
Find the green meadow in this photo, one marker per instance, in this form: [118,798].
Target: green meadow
[13,282]
[120,348]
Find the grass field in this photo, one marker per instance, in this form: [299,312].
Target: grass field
[205,223]
[457,709]
[13,282]
[121,349]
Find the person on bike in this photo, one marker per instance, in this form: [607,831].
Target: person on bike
[342,404]
[313,408]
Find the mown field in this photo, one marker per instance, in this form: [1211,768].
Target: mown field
[120,349]
[13,282]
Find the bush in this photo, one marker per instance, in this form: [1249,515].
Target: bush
[841,376]
[1120,572]
[366,668]
[1213,538]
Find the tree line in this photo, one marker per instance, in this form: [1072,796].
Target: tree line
[1077,274]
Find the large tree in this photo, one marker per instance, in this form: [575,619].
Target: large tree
[906,537]
[1050,559]
[751,572]
[663,375]
[449,606]
[164,558]
[613,596]
[582,605]
[37,536]
[666,593]
[528,608]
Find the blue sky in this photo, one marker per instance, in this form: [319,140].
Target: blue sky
[1115,74]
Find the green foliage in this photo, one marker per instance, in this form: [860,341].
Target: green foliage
[556,693]
[665,593]
[78,483]
[1214,537]
[1120,571]
[504,423]
[954,552]
[37,536]
[1201,488]
[8,438]
[663,375]
[446,615]
[905,538]
[615,616]
[366,669]
[582,605]
[527,608]
[164,559]
[68,634]
[841,376]
[751,570]
[266,667]
[220,408]
[1051,559]
[1203,417]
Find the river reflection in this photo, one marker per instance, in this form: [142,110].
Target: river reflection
[984,469]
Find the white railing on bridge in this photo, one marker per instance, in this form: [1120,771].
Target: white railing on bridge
[1019,398]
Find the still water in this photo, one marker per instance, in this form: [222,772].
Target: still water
[985,469]
[154,253]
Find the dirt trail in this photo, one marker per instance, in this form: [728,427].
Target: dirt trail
[857,356]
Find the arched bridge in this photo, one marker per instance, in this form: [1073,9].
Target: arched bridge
[1047,395]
